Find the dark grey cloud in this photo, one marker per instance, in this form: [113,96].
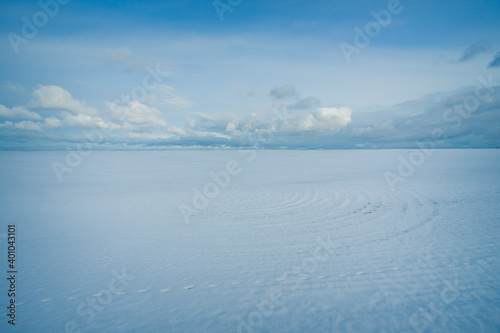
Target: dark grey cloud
[481,46]
[495,62]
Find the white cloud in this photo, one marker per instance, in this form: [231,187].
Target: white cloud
[135,113]
[18,112]
[55,97]
[220,122]
[7,124]
[28,125]
[231,126]
[322,120]
[52,122]
[86,121]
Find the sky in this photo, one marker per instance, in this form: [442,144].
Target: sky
[225,74]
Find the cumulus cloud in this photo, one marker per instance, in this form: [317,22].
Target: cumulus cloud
[475,49]
[306,103]
[17,112]
[398,126]
[52,122]
[135,113]
[231,126]
[322,120]
[28,125]
[55,97]
[218,122]
[85,121]
[283,91]
[495,62]
[290,131]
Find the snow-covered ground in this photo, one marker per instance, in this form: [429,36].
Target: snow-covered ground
[282,241]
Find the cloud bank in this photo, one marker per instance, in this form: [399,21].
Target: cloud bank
[56,119]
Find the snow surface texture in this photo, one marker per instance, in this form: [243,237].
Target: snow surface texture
[298,241]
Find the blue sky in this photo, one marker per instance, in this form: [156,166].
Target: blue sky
[173,74]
